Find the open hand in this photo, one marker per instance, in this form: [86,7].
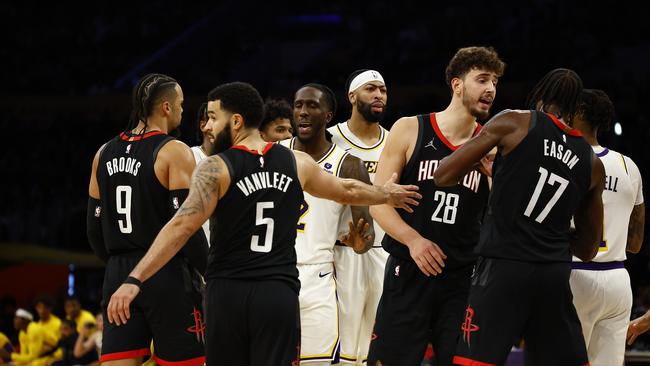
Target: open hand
[428,256]
[637,327]
[401,196]
[358,238]
[118,310]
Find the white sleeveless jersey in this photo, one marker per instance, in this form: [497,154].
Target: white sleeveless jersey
[318,226]
[623,191]
[343,137]
[199,155]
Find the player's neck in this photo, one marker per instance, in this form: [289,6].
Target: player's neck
[456,123]
[153,124]
[316,148]
[368,132]
[251,139]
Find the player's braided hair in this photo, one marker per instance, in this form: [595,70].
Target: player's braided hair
[146,94]
[559,87]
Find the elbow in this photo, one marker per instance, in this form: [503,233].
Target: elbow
[634,247]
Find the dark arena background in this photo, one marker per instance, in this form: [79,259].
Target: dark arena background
[67,73]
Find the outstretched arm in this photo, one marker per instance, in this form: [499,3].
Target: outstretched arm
[209,182]
[495,133]
[351,191]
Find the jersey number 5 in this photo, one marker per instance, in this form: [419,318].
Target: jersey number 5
[552,179]
[261,220]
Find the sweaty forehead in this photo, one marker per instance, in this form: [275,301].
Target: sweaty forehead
[308,93]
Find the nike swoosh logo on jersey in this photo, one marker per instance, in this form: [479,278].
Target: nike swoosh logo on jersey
[323,275]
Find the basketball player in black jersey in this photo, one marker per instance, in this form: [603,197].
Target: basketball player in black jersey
[139,179]
[251,190]
[439,237]
[544,173]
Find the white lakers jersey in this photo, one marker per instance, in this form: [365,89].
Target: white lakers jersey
[199,155]
[623,191]
[318,226]
[343,137]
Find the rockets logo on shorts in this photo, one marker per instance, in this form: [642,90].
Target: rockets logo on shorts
[98,211]
[199,326]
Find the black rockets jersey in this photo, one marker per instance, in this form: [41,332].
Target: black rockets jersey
[536,190]
[253,229]
[448,216]
[133,202]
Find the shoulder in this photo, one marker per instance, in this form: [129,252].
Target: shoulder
[404,123]
[176,151]
[334,129]
[507,120]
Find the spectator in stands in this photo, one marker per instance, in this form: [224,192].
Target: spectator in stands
[73,311]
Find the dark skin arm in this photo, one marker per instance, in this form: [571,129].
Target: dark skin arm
[588,218]
[362,235]
[635,229]
[505,131]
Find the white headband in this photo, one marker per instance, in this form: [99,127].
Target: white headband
[22,313]
[364,77]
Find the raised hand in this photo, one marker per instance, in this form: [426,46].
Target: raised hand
[358,238]
[401,196]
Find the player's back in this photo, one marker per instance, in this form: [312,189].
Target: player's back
[621,193]
[254,225]
[536,190]
[134,202]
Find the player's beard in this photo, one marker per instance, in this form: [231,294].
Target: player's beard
[223,141]
[479,114]
[366,111]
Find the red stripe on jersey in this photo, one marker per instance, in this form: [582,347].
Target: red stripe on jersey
[128,137]
[192,362]
[467,362]
[125,355]
[264,151]
[564,127]
[436,128]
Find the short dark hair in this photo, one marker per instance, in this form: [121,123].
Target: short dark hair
[468,58]
[274,109]
[46,300]
[72,298]
[330,97]
[201,115]
[560,87]
[354,74]
[596,108]
[241,98]
[146,93]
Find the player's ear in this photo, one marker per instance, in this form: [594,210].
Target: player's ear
[456,85]
[352,97]
[237,121]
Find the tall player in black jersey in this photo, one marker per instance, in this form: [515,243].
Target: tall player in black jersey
[139,179]
[251,190]
[544,173]
[415,308]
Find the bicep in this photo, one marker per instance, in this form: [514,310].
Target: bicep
[180,170]
[392,159]
[207,183]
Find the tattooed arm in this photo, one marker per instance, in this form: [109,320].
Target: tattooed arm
[635,229]
[209,182]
